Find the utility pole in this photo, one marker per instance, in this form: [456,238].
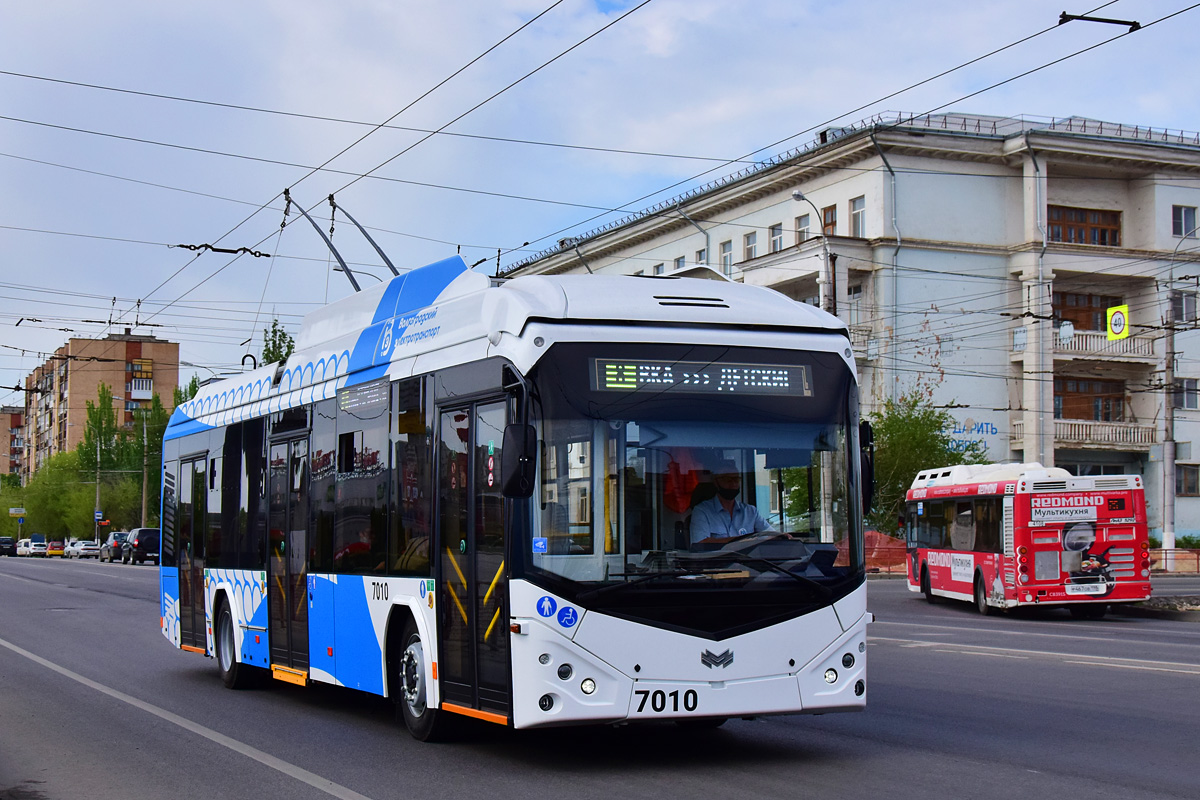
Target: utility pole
[96,523]
[145,468]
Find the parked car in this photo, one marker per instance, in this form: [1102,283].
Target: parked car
[141,545]
[111,549]
[55,548]
[37,549]
[83,548]
[23,547]
[8,546]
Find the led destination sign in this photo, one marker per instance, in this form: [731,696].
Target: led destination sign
[701,377]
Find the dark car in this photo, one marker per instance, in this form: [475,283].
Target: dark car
[111,549]
[140,545]
[8,546]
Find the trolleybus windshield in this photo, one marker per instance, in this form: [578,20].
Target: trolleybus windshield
[634,441]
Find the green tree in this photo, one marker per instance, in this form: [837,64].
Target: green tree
[277,344]
[185,393]
[58,499]
[911,435]
[101,436]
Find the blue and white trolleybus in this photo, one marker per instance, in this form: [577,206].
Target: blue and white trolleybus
[548,500]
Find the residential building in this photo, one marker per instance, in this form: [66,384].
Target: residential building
[977,258]
[134,367]
[13,428]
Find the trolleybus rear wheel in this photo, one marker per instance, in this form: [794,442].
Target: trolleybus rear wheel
[424,723]
[235,675]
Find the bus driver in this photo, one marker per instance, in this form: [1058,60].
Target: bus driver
[723,517]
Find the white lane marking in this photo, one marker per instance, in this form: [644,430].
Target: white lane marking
[1179,630]
[266,759]
[1135,666]
[978,653]
[1107,660]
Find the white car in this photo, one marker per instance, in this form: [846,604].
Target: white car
[85,548]
[37,549]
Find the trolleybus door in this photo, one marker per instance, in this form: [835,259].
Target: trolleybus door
[473,653]
[287,576]
[192,515]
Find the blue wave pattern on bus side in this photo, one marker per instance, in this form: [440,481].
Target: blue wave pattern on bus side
[168,580]
[250,609]
[358,652]
[367,361]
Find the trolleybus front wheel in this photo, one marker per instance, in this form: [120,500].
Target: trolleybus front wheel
[926,589]
[424,723]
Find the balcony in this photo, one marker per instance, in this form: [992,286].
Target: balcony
[1087,434]
[1094,344]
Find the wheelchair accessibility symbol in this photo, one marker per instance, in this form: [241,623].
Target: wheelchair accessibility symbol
[568,617]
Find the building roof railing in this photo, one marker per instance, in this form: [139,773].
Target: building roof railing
[962,124]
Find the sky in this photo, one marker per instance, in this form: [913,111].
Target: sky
[129,127]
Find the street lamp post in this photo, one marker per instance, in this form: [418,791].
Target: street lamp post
[1168,533]
[824,280]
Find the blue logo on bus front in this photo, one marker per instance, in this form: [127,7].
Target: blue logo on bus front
[546,606]
[568,617]
[541,544]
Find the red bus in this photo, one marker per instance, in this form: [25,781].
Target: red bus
[1009,535]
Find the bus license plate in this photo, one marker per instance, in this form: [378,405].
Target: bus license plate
[1086,588]
[665,701]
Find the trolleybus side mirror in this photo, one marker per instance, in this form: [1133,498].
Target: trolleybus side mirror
[517,460]
[866,447]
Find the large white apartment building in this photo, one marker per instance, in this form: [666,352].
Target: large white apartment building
[975,257]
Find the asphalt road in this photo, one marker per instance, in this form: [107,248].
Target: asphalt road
[96,704]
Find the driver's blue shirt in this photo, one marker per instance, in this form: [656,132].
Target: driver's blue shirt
[710,518]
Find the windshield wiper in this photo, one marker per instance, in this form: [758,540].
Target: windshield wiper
[822,590]
[599,590]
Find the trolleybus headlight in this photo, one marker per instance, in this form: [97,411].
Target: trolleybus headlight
[860,689]
[848,661]
[588,686]
[565,671]
[546,702]
[830,675]
[544,658]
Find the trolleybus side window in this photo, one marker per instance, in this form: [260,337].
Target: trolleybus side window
[412,463]
[988,518]
[361,490]
[322,473]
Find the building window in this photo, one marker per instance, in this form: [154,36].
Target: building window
[854,309]
[858,217]
[1187,393]
[1084,226]
[1087,312]
[680,263]
[829,220]
[1183,306]
[727,257]
[1078,398]
[1183,221]
[750,246]
[775,232]
[803,228]
[659,269]
[1187,480]
[701,256]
